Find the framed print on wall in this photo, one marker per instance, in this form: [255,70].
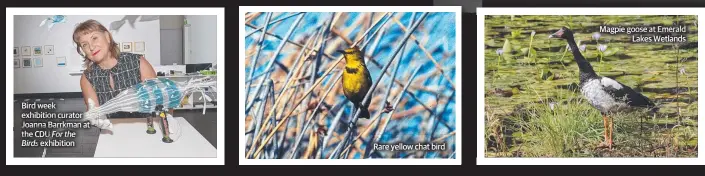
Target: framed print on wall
[37,50]
[139,46]
[126,46]
[38,62]
[60,61]
[17,62]
[26,51]
[16,51]
[48,49]
[26,62]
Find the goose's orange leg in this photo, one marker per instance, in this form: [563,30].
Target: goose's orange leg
[607,133]
[609,143]
[605,122]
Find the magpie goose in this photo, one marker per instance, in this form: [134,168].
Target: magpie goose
[604,94]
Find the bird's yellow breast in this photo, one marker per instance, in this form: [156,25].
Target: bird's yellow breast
[356,82]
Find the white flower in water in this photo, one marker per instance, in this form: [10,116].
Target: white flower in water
[582,48]
[552,105]
[499,51]
[682,70]
[596,36]
[533,33]
[602,47]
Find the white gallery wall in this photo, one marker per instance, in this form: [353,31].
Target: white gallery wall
[51,78]
[202,39]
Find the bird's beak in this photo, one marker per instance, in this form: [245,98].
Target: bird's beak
[558,33]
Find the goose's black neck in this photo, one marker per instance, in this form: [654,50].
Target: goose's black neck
[586,71]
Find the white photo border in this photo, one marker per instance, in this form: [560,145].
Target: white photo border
[458,102]
[219,160]
[482,160]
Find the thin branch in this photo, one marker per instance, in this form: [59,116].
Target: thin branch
[251,16]
[340,145]
[260,113]
[389,90]
[308,120]
[298,103]
[375,122]
[384,127]
[337,149]
[313,77]
[439,118]
[285,86]
[254,62]
[271,60]
[443,137]
[369,93]
[349,42]
[339,34]
[271,94]
[270,23]
[292,42]
[438,66]
[330,131]
[281,139]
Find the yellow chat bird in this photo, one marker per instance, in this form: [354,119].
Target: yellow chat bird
[356,79]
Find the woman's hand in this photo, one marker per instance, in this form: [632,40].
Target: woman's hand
[95,117]
[92,115]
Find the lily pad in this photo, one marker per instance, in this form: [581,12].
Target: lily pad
[611,51]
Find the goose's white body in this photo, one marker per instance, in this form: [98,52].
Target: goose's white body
[594,92]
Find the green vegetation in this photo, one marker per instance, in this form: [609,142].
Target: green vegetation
[526,74]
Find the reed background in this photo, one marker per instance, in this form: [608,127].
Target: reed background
[295,106]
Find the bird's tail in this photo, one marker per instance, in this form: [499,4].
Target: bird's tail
[364,113]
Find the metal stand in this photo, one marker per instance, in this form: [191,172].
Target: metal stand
[160,111]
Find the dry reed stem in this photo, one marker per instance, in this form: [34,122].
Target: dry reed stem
[307,121]
[313,142]
[292,42]
[278,102]
[443,137]
[337,33]
[252,16]
[256,154]
[268,17]
[438,66]
[272,22]
[375,83]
